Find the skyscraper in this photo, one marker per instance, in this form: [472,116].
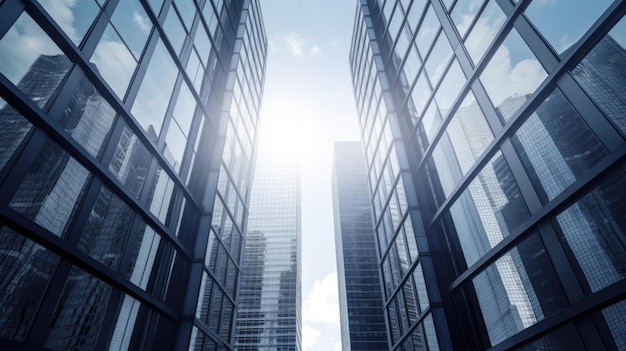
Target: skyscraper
[127,133]
[360,295]
[494,137]
[270,297]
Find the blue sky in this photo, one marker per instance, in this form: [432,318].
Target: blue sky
[308,76]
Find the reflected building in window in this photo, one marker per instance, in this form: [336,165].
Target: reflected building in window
[360,294]
[126,152]
[495,146]
[270,294]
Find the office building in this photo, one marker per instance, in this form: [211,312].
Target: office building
[494,137]
[127,133]
[270,296]
[360,294]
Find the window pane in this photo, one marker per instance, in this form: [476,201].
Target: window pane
[32,61]
[114,61]
[175,142]
[615,318]
[74,17]
[564,338]
[484,31]
[88,117]
[154,93]
[556,146]
[79,314]
[25,271]
[14,129]
[564,22]
[174,31]
[488,209]
[160,195]
[143,256]
[438,59]
[593,228]
[427,31]
[450,87]
[184,108]
[512,75]
[130,162]
[518,290]
[106,229]
[464,13]
[602,74]
[125,323]
[51,189]
[133,24]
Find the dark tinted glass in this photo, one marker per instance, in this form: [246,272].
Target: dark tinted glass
[14,129]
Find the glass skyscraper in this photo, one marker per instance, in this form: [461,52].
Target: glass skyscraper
[127,133]
[270,297]
[494,137]
[360,295]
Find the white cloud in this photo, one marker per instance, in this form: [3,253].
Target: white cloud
[321,304]
[315,50]
[142,22]
[309,336]
[63,13]
[295,43]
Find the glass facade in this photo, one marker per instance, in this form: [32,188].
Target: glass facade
[360,294]
[494,138]
[118,117]
[269,316]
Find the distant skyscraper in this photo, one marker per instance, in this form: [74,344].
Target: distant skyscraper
[127,133]
[360,294]
[494,135]
[270,302]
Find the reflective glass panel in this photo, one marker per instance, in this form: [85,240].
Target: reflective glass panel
[466,137]
[564,338]
[79,314]
[133,24]
[438,59]
[518,290]
[160,195]
[105,233]
[143,256]
[130,162]
[32,61]
[88,117]
[593,229]
[449,88]
[564,22]
[602,74]
[615,318]
[427,31]
[184,108]
[187,11]
[464,13]
[484,31]
[488,209]
[25,271]
[114,61]
[14,129]
[74,17]
[556,146]
[125,324]
[51,189]
[154,94]
[174,30]
[419,96]
[175,143]
[512,75]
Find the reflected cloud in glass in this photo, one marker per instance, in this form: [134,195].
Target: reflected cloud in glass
[114,62]
[74,17]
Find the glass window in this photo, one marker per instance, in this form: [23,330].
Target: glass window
[25,271]
[132,23]
[130,162]
[427,32]
[518,290]
[602,74]
[143,256]
[484,31]
[202,44]
[438,59]
[14,130]
[155,90]
[450,87]
[175,143]
[88,117]
[512,75]
[187,11]
[156,6]
[562,22]
[125,323]
[184,108]
[74,17]
[106,230]
[32,61]
[593,229]
[556,146]
[420,287]
[195,70]
[488,209]
[51,190]
[79,313]
[411,65]
[114,61]
[419,96]
[466,137]
[564,338]
[160,195]
[615,318]
[464,13]
[174,31]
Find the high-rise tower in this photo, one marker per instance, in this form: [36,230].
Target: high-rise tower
[127,133]
[270,297]
[360,294]
[494,136]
